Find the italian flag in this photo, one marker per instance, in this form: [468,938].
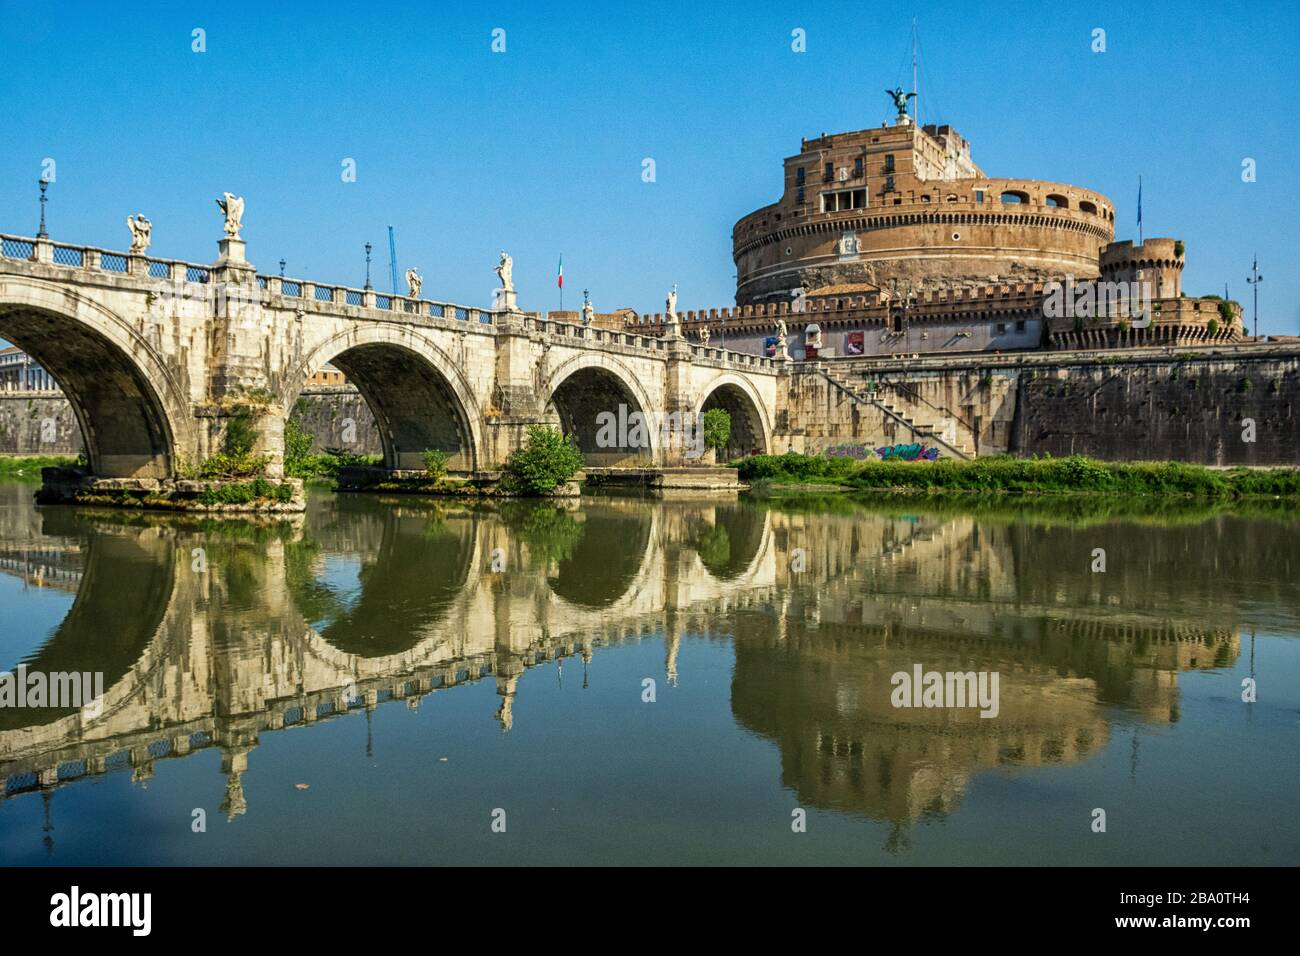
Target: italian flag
[559,278]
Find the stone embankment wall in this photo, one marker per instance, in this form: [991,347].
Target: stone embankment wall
[1148,405]
[42,423]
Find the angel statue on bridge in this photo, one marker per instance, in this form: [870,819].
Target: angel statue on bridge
[141,233]
[505,271]
[233,208]
[414,281]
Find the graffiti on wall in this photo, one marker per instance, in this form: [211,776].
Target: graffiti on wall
[860,452]
[912,452]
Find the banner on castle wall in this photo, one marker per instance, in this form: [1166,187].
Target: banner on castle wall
[769,346]
[854,343]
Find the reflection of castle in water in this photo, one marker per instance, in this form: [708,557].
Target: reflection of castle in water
[379,602]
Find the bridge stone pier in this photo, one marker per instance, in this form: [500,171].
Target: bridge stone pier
[160,357]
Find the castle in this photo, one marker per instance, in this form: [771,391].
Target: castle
[892,242]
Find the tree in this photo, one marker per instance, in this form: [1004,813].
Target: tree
[547,460]
[717,428]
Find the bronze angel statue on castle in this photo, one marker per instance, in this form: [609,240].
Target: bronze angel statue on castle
[900,99]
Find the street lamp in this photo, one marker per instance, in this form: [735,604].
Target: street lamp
[44,184]
[368,248]
[281,268]
[1254,270]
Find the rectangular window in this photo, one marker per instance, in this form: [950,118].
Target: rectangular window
[857,168]
[844,200]
[799,176]
[829,173]
[889,162]
[979,195]
[1002,328]
[799,196]
[1020,325]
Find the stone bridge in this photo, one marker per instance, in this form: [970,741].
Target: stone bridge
[159,356]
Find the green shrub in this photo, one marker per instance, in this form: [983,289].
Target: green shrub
[435,462]
[1225,311]
[1006,474]
[297,449]
[717,428]
[547,460]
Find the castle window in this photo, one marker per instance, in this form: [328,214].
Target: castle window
[1020,325]
[799,176]
[857,168]
[979,195]
[828,173]
[1057,202]
[952,197]
[799,196]
[889,162]
[1086,206]
[1014,197]
[1002,328]
[844,200]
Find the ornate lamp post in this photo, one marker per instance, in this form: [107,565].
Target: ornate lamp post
[1254,283]
[281,268]
[44,184]
[368,248]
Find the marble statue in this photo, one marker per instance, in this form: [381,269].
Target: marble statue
[505,270]
[141,233]
[670,307]
[704,335]
[588,312]
[233,208]
[414,281]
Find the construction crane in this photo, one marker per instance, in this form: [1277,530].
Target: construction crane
[392,259]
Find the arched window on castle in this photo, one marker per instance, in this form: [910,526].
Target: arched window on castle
[1014,197]
[1086,206]
[1057,201]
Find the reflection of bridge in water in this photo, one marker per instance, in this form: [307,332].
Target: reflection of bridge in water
[375,602]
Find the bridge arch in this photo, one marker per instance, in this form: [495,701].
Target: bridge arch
[134,413]
[751,428]
[582,388]
[417,394]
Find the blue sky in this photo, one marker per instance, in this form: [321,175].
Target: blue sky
[538,150]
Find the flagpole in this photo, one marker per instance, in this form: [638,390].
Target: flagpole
[1141,241]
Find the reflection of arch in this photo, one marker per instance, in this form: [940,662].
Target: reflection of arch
[115,626]
[605,561]
[132,411]
[418,396]
[588,384]
[750,427]
[732,546]
[421,567]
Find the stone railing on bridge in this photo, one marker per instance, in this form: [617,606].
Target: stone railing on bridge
[629,338]
[310,296]
[302,292]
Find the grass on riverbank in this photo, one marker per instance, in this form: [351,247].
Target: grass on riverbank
[1074,475]
[28,468]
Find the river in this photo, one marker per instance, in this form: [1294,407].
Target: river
[627,680]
